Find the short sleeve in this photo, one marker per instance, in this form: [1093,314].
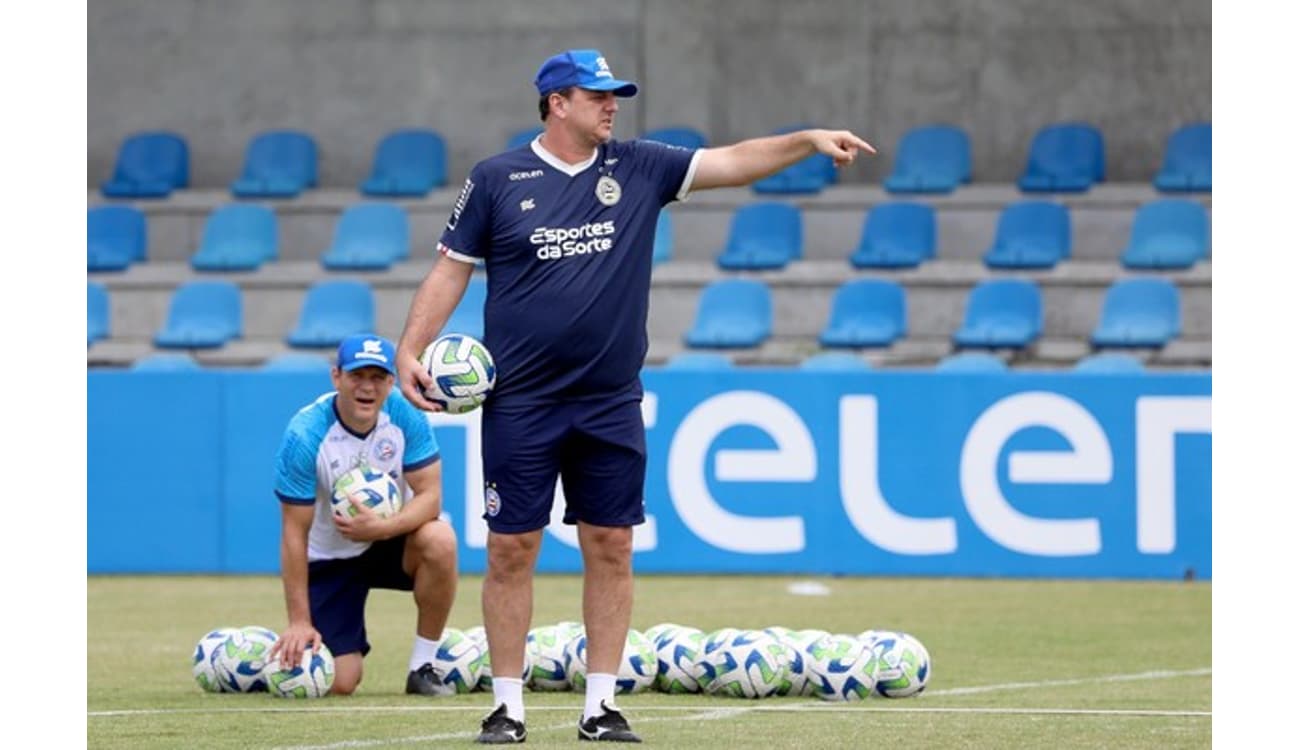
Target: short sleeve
[295,469]
[421,445]
[670,167]
[465,237]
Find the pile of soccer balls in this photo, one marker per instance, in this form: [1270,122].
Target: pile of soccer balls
[237,660]
[732,662]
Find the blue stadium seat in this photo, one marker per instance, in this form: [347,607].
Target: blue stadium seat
[680,135]
[663,237]
[1067,157]
[931,159]
[1139,312]
[699,361]
[237,237]
[166,362]
[467,318]
[810,175]
[332,311]
[764,235]
[1169,233]
[1186,165]
[97,317]
[202,315]
[369,236]
[971,362]
[149,165]
[277,164]
[1118,363]
[116,237]
[896,235]
[1002,313]
[408,162]
[1030,234]
[522,137]
[732,313]
[866,312]
[298,362]
[834,361]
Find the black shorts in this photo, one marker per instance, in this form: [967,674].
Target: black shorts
[337,591]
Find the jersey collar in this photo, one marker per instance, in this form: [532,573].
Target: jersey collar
[556,163]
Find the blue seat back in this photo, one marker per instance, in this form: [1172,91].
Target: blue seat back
[1073,150]
[971,362]
[939,153]
[203,313]
[153,157]
[1031,233]
[409,161]
[373,230]
[1110,362]
[97,316]
[333,310]
[1187,151]
[116,236]
[1002,312]
[282,156]
[522,137]
[1169,233]
[699,361]
[298,362]
[1139,312]
[242,234]
[897,233]
[767,233]
[732,312]
[467,318]
[663,237]
[834,361]
[680,135]
[866,312]
[166,362]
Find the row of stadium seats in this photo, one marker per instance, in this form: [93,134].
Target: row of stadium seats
[1063,157]
[1169,233]
[732,313]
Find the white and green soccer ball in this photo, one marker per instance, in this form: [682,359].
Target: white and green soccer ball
[462,371]
[458,662]
[903,664]
[636,671]
[840,668]
[655,633]
[678,650]
[796,673]
[311,677]
[240,662]
[750,664]
[377,490]
[203,665]
[546,648]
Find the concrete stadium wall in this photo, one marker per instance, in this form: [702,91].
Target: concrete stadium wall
[349,71]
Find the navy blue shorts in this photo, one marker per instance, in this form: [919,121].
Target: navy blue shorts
[337,590]
[596,448]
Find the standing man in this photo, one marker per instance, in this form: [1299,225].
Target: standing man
[565,226]
[328,561]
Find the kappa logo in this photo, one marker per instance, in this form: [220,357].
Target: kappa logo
[526,204]
[517,176]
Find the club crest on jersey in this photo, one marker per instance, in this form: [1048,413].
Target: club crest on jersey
[608,191]
[385,449]
[491,500]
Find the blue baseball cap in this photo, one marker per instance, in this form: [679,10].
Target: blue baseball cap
[367,350]
[584,68]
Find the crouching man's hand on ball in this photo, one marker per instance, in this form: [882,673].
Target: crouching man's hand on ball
[365,526]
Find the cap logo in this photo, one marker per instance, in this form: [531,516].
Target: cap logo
[602,68]
[371,349]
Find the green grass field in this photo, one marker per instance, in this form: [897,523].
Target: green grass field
[1066,664]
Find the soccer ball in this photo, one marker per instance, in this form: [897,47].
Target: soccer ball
[204,666]
[656,633]
[841,668]
[311,678]
[636,671]
[462,370]
[377,490]
[546,647]
[796,643]
[240,662]
[679,650]
[751,664]
[459,661]
[903,664]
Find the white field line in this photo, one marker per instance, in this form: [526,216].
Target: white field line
[1157,675]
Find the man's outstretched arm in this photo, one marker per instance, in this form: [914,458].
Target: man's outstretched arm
[751,160]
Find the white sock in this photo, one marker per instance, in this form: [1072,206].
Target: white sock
[600,687]
[510,691]
[423,652]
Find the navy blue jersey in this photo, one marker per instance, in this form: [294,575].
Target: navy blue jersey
[568,252]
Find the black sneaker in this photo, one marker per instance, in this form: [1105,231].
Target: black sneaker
[425,681]
[609,726]
[499,729]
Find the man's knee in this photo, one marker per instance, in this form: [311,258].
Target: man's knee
[435,545]
[347,674]
[606,545]
[511,555]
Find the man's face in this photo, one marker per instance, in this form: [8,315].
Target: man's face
[591,114]
[362,393]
